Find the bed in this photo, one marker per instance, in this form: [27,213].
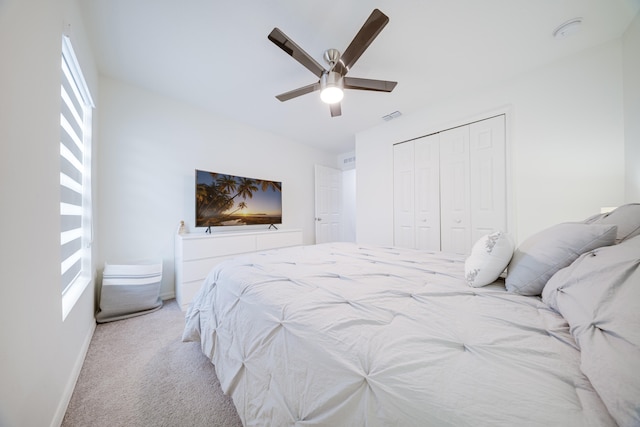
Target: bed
[343,334]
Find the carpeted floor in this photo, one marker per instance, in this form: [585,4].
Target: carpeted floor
[138,372]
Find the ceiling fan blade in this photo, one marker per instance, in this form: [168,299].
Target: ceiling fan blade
[336,110]
[369,31]
[368,84]
[285,43]
[298,92]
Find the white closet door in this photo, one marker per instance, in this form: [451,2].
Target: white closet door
[488,176]
[455,190]
[427,192]
[403,195]
[450,187]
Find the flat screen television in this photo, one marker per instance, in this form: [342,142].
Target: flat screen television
[229,200]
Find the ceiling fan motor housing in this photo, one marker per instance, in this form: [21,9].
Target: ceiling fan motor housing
[331,86]
[331,78]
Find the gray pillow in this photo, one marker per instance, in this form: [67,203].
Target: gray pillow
[598,296]
[541,255]
[626,217]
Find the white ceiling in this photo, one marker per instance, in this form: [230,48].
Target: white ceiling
[216,54]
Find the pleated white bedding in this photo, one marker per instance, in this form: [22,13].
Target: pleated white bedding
[352,335]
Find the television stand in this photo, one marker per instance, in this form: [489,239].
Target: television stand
[197,253]
[272,225]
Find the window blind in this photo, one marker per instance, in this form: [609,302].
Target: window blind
[73,125]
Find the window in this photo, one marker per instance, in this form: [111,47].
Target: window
[75,180]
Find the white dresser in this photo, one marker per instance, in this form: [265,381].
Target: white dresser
[197,254]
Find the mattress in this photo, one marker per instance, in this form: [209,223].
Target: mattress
[345,334]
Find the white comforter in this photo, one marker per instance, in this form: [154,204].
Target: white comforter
[348,335]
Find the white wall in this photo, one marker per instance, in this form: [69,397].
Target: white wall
[41,355]
[565,135]
[631,49]
[150,147]
[348,206]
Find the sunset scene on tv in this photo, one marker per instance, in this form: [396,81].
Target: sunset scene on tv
[227,200]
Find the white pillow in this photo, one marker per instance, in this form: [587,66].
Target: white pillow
[489,257]
[540,256]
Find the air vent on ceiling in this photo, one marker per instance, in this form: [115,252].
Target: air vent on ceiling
[391,116]
[348,160]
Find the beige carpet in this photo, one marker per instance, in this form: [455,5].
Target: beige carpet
[138,372]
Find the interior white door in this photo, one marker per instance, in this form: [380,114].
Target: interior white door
[403,195]
[427,192]
[328,203]
[454,190]
[487,153]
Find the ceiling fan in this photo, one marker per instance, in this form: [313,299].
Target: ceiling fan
[334,80]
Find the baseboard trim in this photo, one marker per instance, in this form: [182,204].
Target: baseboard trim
[168,295]
[71,385]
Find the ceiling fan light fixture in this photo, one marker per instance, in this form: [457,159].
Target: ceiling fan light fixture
[331,95]
[331,88]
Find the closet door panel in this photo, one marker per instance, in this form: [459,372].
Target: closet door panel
[403,195]
[450,187]
[455,190]
[488,176]
[427,192]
